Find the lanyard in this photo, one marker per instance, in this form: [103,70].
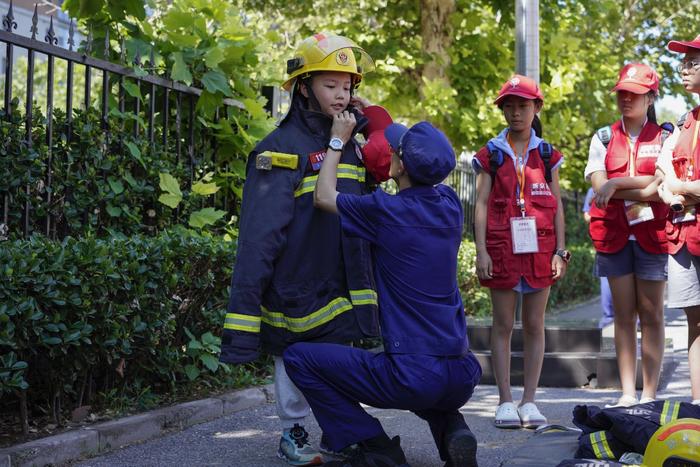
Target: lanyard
[520,171]
[633,154]
[691,164]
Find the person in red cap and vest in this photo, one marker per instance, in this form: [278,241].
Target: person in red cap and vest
[519,232]
[679,160]
[628,226]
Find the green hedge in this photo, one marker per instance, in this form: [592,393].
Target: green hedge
[112,318]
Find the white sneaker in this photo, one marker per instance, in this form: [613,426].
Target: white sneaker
[530,416]
[646,400]
[695,402]
[507,416]
[623,401]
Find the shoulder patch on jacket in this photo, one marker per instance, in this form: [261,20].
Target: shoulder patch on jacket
[269,159]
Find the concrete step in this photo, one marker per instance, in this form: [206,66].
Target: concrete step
[571,369]
[557,337]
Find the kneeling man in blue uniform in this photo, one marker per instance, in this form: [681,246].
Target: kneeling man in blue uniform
[426,366]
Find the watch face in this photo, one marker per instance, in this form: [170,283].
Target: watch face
[336,143]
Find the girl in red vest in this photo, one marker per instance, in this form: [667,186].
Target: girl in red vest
[628,227]
[519,238]
[680,158]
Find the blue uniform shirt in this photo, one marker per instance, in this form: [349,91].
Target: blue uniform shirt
[415,238]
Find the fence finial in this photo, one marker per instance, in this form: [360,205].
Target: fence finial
[88,44]
[71,33]
[8,21]
[51,35]
[106,50]
[35,21]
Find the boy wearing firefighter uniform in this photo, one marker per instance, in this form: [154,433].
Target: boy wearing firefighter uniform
[298,277]
[679,162]
[426,366]
[628,226]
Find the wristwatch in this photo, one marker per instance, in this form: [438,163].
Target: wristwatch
[336,144]
[564,254]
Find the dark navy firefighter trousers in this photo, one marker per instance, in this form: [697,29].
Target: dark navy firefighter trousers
[336,379]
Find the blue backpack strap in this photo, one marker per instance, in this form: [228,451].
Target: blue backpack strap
[605,135]
[495,160]
[545,150]
[681,120]
[666,131]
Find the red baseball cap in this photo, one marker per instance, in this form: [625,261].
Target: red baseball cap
[637,78]
[376,153]
[519,85]
[684,47]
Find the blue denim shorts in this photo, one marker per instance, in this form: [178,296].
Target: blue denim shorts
[632,259]
[524,288]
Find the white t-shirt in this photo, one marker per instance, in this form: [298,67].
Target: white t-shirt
[664,161]
[597,152]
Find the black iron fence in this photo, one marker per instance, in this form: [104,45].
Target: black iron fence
[123,85]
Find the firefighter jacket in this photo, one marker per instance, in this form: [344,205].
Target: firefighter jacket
[609,433]
[297,277]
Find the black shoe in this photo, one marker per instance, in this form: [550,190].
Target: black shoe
[376,452]
[461,448]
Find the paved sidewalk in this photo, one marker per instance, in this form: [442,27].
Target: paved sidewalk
[249,438]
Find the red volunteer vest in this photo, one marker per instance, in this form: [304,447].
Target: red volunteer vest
[686,233]
[508,267]
[609,228]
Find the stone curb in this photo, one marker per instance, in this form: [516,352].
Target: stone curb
[103,437]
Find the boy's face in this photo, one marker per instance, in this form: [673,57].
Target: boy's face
[690,74]
[396,167]
[519,112]
[332,89]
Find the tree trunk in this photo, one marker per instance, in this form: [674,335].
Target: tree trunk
[436,36]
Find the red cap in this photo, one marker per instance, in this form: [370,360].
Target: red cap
[684,47]
[376,154]
[637,78]
[378,117]
[522,86]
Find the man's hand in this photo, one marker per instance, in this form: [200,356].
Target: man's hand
[343,124]
[484,265]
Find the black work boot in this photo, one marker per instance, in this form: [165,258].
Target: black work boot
[461,447]
[379,451]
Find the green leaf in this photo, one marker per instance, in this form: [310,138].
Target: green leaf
[255,108]
[114,211]
[215,81]
[169,184]
[116,185]
[130,179]
[204,189]
[51,340]
[209,361]
[135,152]
[20,365]
[170,200]
[194,345]
[132,89]
[176,19]
[192,372]
[208,102]
[180,71]
[213,57]
[206,216]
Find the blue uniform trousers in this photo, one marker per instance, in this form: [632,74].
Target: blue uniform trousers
[336,379]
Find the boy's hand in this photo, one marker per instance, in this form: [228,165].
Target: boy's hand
[558,267]
[606,192]
[343,124]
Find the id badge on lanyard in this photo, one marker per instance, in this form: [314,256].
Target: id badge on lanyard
[523,229]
